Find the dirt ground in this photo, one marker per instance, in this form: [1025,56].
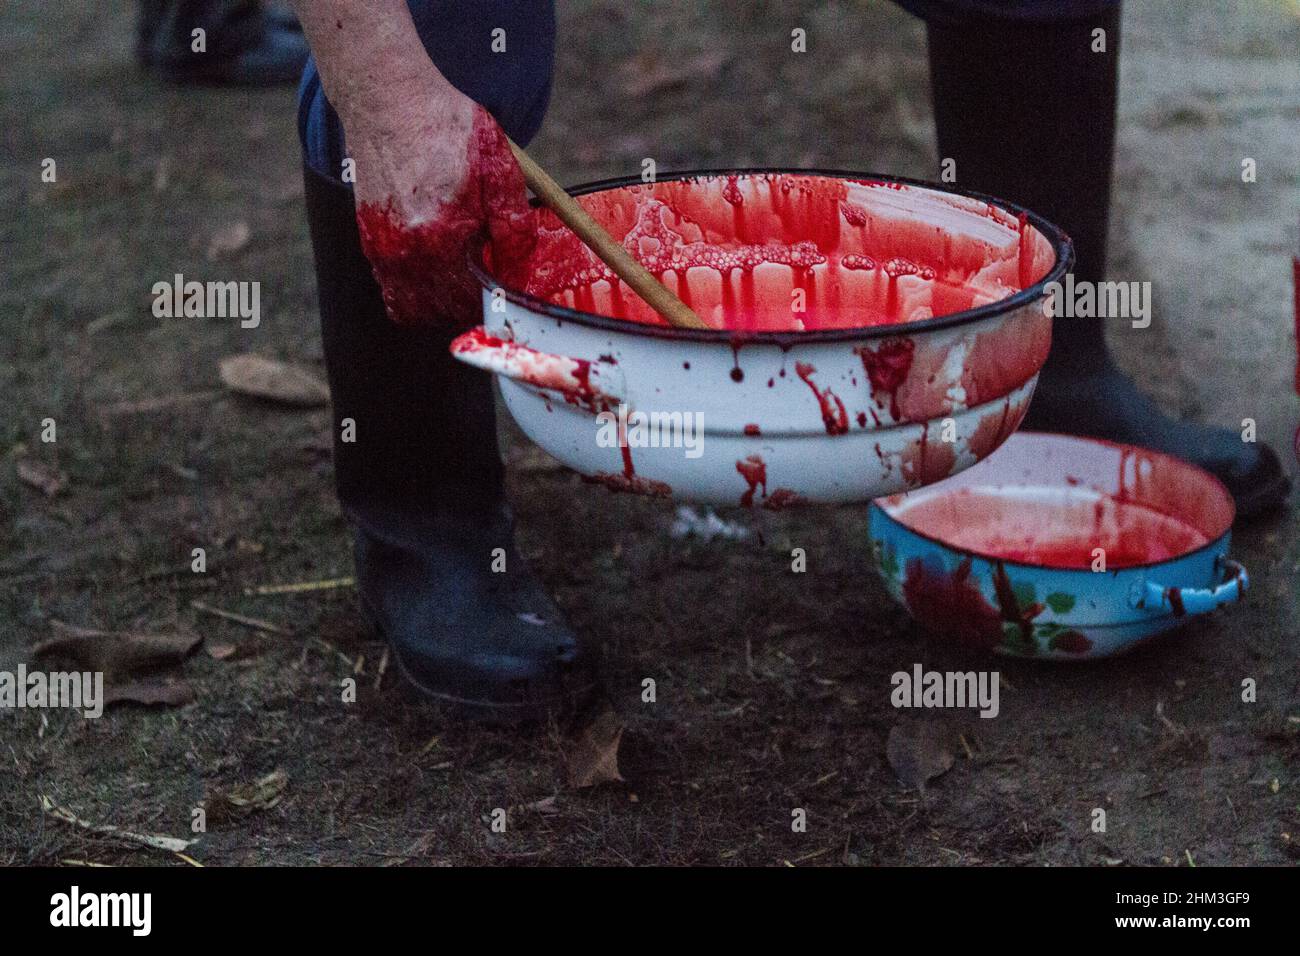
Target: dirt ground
[773,689]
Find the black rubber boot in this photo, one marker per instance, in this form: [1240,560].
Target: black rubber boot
[244,45]
[422,484]
[1027,111]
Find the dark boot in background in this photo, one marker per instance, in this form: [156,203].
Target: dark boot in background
[1027,110]
[245,44]
[422,485]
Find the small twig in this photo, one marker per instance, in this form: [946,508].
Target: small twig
[812,856]
[301,586]
[1169,724]
[255,623]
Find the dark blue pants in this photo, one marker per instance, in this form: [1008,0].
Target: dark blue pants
[515,85]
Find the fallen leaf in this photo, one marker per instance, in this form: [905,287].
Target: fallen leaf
[221,652]
[152,840]
[274,381]
[919,751]
[545,806]
[229,239]
[116,654]
[44,477]
[169,692]
[246,798]
[594,758]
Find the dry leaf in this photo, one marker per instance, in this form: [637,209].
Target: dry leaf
[221,652]
[919,751]
[171,844]
[151,693]
[117,654]
[44,477]
[545,806]
[229,239]
[245,798]
[594,757]
[275,381]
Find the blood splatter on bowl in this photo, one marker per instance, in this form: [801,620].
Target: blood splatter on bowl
[868,335]
[1060,547]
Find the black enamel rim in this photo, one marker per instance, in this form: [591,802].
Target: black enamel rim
[1062,247]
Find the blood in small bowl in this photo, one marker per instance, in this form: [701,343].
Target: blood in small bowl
[1060,547]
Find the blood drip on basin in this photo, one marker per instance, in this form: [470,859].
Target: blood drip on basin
[792,252]
[834,417]
[887,366]
[754,471]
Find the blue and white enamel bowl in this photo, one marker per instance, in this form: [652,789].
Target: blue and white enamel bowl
[1059,547]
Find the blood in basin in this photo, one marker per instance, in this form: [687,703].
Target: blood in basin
[1054,527]
[788,252]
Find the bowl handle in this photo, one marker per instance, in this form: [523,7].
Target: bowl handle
[590,384]
[1187,601]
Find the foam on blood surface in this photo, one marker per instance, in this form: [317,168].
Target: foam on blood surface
[738,248]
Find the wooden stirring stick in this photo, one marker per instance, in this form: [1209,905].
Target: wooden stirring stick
[611,252]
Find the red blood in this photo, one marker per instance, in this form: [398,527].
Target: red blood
[736,252]
[1054,533]
[925,461]
[731,192]
[995,428]
[754,471]
[1295,292]
[569,376]
[752,430]
[834,416]
[886,367]
[951,604]
[633,484]
[854,214]
[1072,642]
[781,498]
[420,267]
[1024,253]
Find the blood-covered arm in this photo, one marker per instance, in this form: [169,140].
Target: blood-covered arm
[433,169]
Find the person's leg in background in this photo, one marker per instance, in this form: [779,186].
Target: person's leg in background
[245,42]
[1027,109]
[419,475]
